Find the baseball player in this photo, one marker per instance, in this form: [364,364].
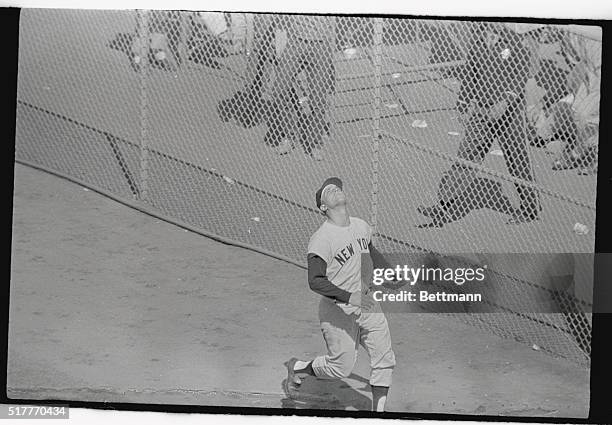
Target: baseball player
[334,272]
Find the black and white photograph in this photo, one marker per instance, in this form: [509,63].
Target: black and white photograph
[305,212]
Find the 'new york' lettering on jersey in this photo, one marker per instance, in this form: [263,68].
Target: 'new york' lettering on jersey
[341,248]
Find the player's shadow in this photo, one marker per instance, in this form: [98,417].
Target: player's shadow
[316,393]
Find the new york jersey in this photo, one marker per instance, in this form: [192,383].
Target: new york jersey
[341,248]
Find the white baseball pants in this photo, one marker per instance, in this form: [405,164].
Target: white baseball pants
[343,333]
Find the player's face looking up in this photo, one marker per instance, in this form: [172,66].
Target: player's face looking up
[332,196]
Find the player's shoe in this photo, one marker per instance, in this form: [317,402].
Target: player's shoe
[293,382]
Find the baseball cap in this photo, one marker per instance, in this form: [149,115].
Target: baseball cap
[331,180]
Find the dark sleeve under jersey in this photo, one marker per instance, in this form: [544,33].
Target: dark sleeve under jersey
[317,279]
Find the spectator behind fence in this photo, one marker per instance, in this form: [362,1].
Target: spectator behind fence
[161,45]
[251,104]
[568,71]
[492,104]
[172,36]
[217,35]
[310,46]
[257,101]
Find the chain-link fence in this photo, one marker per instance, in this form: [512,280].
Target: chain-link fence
[450,136]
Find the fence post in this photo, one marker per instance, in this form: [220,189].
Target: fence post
[183,38]
[376,105]
[143,35]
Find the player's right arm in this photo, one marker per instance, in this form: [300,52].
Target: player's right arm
[319,283]
[319,255]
